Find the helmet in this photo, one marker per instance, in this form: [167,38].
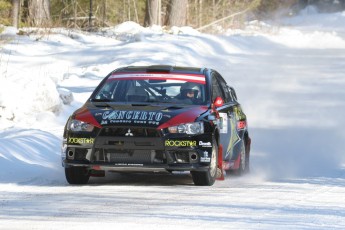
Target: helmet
[190,89]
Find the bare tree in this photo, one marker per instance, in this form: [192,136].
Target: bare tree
[39,12]
[153,13]
[15,12]
[176,13]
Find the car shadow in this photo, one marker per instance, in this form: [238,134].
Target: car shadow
[139,179]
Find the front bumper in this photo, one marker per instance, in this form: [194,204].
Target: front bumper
[139,154]
[138,167]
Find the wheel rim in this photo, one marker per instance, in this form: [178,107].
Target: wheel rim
[213,165]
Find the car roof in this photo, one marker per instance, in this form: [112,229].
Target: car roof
[161,69]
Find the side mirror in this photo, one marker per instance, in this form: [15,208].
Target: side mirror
[218,102]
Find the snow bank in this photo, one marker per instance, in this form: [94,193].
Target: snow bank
[8,33]
[29,156]
[26,95]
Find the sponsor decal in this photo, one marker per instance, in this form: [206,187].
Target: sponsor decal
[241,125]
[198,78]
[234,138]
[205,144]
[205,158]
[179,143]
[223,123]
[128,164]
[77,140]
[239,113]
[130,117]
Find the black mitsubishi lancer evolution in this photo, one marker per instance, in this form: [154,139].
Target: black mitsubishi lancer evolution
[158,118]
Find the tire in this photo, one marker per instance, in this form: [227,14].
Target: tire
[207,178]
[244,161]
[77,175]
[247,168]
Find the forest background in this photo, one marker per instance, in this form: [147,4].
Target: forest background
[215,15]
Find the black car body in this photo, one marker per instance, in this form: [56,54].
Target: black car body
[140,119]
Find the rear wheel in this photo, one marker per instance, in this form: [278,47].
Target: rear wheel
[247,168]
[244,161]
[207,178]
[77,175]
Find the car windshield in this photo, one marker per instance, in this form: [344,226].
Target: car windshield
[153,88]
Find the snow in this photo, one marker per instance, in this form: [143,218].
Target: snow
[289,76]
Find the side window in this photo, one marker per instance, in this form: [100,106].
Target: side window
[233,93]
[216,90]
[107,91]
[230,93]
[227,97]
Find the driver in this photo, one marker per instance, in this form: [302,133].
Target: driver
[189,91]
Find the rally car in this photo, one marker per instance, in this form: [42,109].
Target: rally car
[158,118]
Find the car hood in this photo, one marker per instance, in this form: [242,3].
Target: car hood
[155,116]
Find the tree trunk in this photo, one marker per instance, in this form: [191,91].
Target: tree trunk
[200,13]
[104,12]
[15,12]
[152,15]
[39,12]
[176,13]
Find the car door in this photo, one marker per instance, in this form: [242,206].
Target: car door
[228,133]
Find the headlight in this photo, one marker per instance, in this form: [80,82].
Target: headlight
[188,128]
[79,126]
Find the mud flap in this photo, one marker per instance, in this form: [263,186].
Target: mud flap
[237,162]
[220,170]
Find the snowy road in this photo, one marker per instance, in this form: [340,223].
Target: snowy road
[290,82]
[163,201]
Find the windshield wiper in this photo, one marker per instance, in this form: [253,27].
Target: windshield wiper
[173,107]
[141,104]
[101,102]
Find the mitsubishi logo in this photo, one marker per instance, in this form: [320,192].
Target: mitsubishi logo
[129,133]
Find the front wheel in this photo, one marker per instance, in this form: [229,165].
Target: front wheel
[77,175]
[207,178]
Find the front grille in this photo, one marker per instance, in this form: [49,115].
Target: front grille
[128,145]
[129,132]
[117,156]
[130,138]
[130,157]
